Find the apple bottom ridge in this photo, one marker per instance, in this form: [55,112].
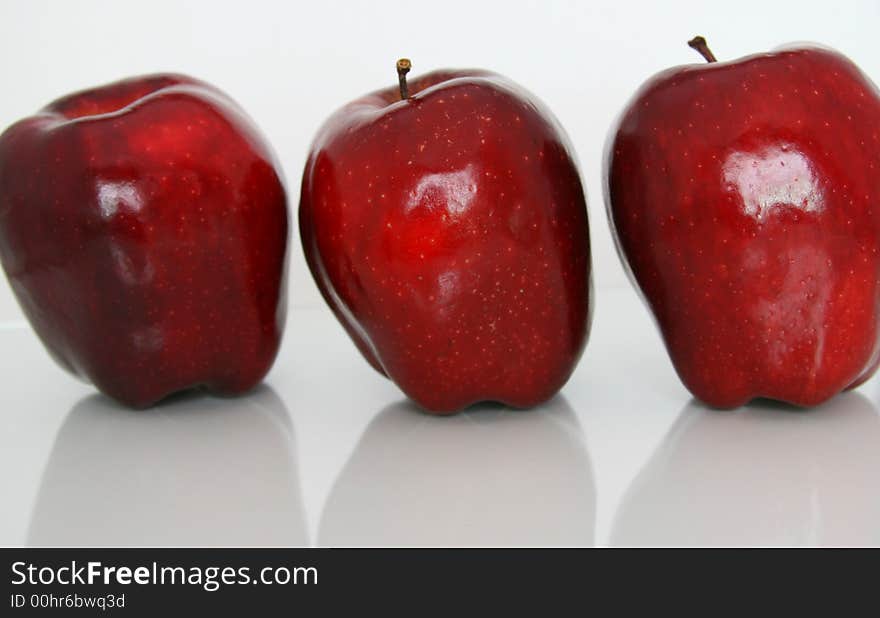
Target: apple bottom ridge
[161,386]
[437,402]
[140,402]
[795,401]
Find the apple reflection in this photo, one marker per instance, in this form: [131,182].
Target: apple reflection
[195,471]
[764,475]
[490,476]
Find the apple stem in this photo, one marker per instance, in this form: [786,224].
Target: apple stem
[699,43]
[403,67]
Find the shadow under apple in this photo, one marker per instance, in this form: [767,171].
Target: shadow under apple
[766,474]
[489,476]
[194,471]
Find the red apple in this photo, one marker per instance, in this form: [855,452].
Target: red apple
[743,196]
[143,228]
[446,226]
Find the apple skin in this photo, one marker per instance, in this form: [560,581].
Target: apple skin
[448,232]
[743,197]
[143,228]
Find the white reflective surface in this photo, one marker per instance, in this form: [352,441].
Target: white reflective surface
[489,477]
[763,475]
[330,453]
[199,471]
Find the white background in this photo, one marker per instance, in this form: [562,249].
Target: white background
[290,64]
[72,473]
